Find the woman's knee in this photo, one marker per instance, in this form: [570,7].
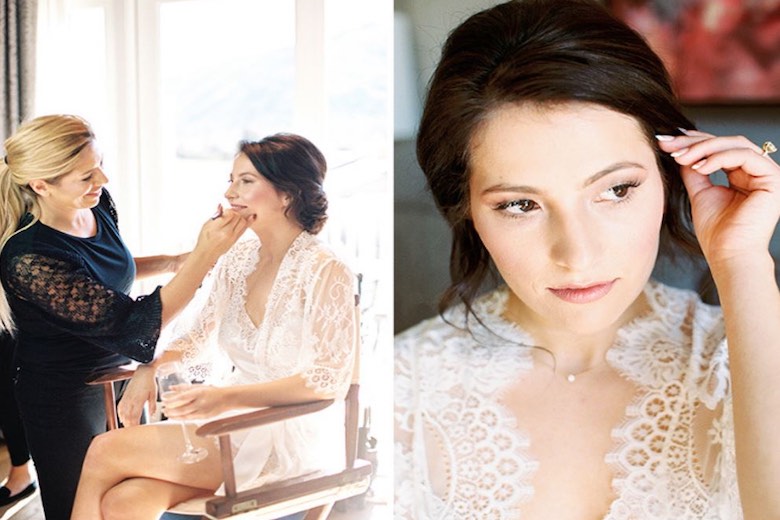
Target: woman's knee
[103,449]
[121,503]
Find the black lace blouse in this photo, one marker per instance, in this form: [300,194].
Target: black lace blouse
[69,298]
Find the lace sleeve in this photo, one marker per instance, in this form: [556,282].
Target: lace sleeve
[72,300]
[716,395]
[331,329]
[406,482]
[194,330]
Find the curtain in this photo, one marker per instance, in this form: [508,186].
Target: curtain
[17,62]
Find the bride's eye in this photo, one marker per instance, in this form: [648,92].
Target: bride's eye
[620,192]
[517,207]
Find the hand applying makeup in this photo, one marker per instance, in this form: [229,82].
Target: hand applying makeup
[737,219]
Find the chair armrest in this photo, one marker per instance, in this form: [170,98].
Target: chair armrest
[260,417]
[112,375]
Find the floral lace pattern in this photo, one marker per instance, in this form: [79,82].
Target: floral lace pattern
[76,302]
[448,415]
[309,328]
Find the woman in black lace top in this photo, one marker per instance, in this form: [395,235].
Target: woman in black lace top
[66,275]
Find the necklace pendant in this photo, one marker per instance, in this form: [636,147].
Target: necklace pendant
[570,378]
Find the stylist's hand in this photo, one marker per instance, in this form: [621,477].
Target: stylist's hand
[196,402]
[219,233]
[141,389]
[735,220]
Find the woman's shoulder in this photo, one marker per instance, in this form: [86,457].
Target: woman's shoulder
[318,257]
[681,338]
[107,206]
[685,310]
[458,333]
[39,241]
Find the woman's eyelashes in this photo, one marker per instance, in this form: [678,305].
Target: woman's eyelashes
[517,207]
[619,193]
[240,180]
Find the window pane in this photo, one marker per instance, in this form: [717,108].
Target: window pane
[227,73]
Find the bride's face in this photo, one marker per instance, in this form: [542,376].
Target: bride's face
[569,202]
[250,193]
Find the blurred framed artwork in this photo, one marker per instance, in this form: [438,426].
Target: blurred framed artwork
[717,51]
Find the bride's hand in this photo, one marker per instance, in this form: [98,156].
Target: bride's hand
[738,219]
[195,402]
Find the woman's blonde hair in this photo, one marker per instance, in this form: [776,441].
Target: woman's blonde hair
[47,148]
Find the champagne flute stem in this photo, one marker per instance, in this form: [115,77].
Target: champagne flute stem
[187,441]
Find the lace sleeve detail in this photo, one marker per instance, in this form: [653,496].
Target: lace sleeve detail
[406,482]
[107,201]
[193,339]
[331,329]
[72,300]
[725,488]
[194,330]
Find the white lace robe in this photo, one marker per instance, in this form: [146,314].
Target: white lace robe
[309,328]
[447,384]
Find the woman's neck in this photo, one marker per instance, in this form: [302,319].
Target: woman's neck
[276,241]
[574,351]
[77,222]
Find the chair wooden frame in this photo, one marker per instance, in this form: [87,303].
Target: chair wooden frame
[315,493]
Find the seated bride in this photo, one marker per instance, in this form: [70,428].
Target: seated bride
[281,309]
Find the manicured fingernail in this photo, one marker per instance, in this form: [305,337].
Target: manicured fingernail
[662,137]
[678,153]
[699,164]
[683,130]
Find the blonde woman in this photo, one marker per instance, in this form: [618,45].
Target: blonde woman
[65,276]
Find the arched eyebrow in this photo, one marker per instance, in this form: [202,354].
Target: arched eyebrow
[622,165]
[612,168]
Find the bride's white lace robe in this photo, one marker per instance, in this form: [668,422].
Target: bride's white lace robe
[309,328]
[446,387]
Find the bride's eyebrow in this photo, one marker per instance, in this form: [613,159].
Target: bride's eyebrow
[612,168]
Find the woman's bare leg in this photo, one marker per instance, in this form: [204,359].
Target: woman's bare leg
[149,451]
[149,498]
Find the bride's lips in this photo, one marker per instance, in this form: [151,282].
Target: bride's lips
[582,294]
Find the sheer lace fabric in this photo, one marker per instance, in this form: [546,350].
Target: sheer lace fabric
[309,328]
[75,302]
[461,454]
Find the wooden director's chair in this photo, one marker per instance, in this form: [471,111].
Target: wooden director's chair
[315,493]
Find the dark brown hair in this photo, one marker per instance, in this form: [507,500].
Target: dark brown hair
[544,52]
[296,167]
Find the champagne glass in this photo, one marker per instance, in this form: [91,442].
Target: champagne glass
[169,375]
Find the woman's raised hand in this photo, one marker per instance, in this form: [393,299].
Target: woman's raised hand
[734,220]
[220,232]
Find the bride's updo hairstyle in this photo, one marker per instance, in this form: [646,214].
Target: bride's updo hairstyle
[297,168]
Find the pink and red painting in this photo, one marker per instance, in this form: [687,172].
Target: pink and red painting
[717,51]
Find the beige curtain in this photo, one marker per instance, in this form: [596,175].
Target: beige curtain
[17,62]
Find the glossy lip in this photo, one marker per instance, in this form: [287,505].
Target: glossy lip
[583,294]
[95,194]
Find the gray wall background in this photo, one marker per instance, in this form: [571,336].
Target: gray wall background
[422,239]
